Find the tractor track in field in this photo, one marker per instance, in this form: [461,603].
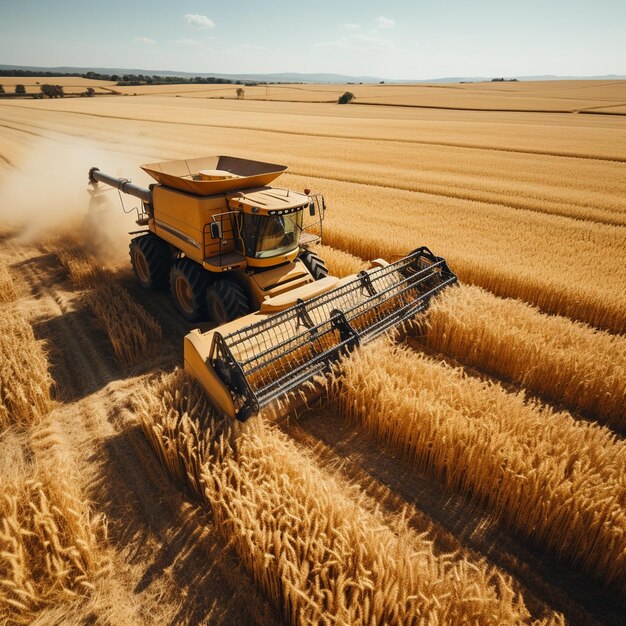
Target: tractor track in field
[167,558]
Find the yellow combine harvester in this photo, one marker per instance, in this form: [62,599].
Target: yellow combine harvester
[236,251]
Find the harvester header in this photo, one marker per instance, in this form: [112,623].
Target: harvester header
[237,252]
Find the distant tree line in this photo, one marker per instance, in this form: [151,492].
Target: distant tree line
[48,91]
[135,79]
[143,79]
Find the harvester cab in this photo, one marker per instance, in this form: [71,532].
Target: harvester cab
[236,251]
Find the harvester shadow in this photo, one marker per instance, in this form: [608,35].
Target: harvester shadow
[76,347]
[464,524]
[147,516]
[159,304]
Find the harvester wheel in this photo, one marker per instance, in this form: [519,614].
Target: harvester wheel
[226,300]
[151,260]
[314,264]
[188,284]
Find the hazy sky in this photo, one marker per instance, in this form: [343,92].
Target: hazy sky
[392,39]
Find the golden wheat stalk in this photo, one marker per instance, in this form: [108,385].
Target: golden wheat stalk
[553,356]
[51,544]
[555,480]
[25,381]
[307,539]
[338,262]
[133,333]
[8,290]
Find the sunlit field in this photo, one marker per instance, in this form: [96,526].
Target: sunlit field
[468,470]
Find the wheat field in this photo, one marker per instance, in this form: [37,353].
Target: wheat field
[553,356]
[555,480]
[323,559]
[468,470]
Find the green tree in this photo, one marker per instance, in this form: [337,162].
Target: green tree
[52,91]
[347,97]
[1,89]
[20,89]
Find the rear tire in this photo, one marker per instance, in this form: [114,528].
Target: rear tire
[314,264]
[151,260]
[226,300]
[188,283]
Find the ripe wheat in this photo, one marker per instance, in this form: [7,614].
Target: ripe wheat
[563,360]
[133,333]
[338,262]
[84,271]
[25,382]
[50,541]
[561,266]
[305,537]
[8,292]
[495,196]
[557,481]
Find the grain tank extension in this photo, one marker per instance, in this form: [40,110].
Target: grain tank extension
[236,251]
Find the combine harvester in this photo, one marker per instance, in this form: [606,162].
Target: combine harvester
[236,251]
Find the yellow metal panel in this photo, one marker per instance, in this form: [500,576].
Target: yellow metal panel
[306,292]
[185,175]
[180,218]
[197,347]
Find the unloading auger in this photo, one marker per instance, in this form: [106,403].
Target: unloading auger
[237,252]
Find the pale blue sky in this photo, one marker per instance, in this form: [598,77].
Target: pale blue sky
[392,39]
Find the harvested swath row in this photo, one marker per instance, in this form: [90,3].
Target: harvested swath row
[305,537]
[84,271]
[338,262]
[8,292]
[50,542]
[25,382]
[133,333]
[557,481]
[553,356]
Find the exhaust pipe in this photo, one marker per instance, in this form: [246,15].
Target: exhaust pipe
[123,184]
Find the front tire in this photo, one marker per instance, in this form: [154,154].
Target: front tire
[151,260]
[314,264]
[226,300]
[188,283]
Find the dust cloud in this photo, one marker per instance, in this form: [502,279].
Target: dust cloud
[48,192]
